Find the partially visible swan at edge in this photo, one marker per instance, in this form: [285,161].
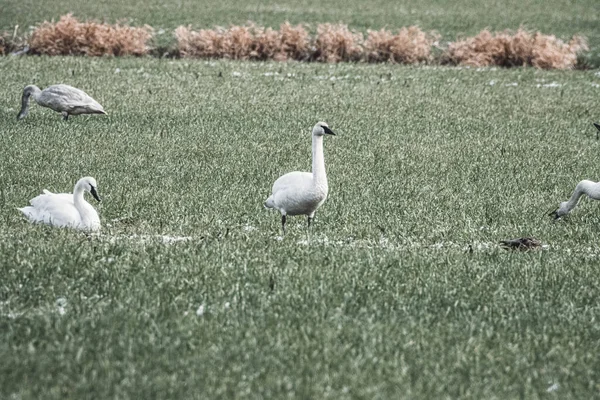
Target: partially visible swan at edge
[66,209]
[64,99]
[592,189]
[302,193]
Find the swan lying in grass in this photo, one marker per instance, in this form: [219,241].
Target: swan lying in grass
[302,193]
[64,99]
[66,209]
[592,189]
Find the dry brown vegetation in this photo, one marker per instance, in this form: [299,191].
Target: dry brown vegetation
[244,42]
[409,46]
[332,43]
[509,50]
[9,43]
[71,37]
[3,45]
[335,43]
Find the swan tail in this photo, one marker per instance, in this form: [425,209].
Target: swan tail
[98,111]
[95,108]
[27,211]
[270,203]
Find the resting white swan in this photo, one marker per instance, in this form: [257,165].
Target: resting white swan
[301,193]
[592,189]
[66,209]
[64,99]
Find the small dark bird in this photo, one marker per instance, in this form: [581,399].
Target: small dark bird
[522,244]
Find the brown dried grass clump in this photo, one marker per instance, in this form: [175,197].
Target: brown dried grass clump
[244,42]
[10,42]
[295,41]
[3,45]
[409,46]
[508,50]
[71,37]
[335,43]
[552,53]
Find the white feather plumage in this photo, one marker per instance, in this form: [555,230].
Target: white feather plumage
[66,209]
[302,193]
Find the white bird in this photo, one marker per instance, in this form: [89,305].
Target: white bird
[592,189]
[64,99]
[66,209]
[302,193]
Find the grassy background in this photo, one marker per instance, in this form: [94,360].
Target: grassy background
[382,300]
[450,19]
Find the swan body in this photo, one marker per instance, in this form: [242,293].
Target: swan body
[66,209]
[302,193]
[591,189]
[64,99]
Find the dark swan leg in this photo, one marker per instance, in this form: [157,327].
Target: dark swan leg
[65,115]
[309,221]
[283,223]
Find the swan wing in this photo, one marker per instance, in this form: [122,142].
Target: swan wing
[54,209]
[292,180]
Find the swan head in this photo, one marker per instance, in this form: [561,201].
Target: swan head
[562,210]
[27,92]
[321,128]
[89,184]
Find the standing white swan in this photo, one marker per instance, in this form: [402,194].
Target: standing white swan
[592,189]
[302,193]
[66,209]
[64,99]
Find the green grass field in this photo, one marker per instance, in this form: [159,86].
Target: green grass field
[191,292]
[380,300]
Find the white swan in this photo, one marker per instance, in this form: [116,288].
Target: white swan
[592,189]
[64,99]
[301,193]
[66,209]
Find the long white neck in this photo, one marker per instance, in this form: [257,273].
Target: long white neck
[87,213]
[78,196]
[318,161]
[592,189]
[80,204]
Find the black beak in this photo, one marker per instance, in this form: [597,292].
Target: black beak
[597,126]
[95,194]
[554,214]
[330,132]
